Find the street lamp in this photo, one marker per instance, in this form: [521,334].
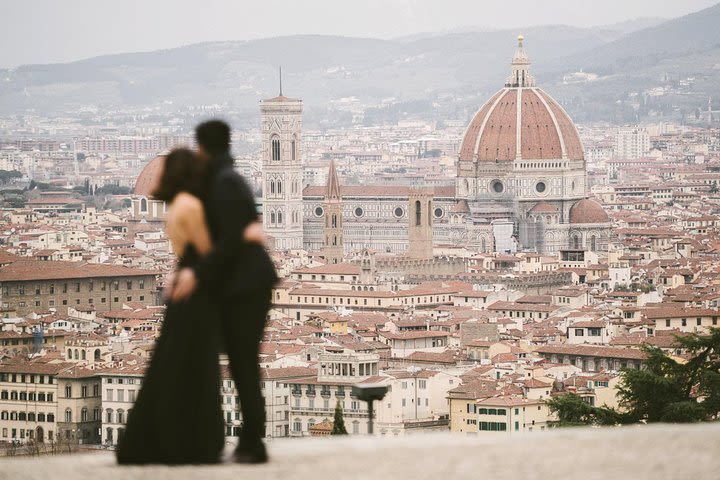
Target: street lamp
[369,393]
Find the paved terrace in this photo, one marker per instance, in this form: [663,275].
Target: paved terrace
[637,453]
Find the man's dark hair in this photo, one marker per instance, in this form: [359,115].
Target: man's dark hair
[213,136]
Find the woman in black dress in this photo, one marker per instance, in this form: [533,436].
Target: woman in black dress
[177,418]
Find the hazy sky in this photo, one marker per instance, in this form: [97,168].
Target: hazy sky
[47,31]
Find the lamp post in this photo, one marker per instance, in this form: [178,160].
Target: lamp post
[369,393]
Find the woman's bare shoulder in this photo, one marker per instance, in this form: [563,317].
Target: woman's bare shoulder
[186,204]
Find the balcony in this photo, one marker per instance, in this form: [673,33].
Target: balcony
[325,393]
[665,451]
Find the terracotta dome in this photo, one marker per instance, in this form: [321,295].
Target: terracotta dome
[543,207]
[149,176]
[588,211]
[521,122]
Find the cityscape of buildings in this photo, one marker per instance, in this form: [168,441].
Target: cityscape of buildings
[474,268]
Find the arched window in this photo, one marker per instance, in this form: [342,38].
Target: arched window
[97,354]
[272,218]
[293,148]
[429,210]
[275,145]
[334,221]
[68,415]
[84,415]
[108,416]
[593,243]
[279,187]
[279,218]
[272,186]
[143,205]
[576,241]
[82,355]
[69,356]
[96,413]
[483,244]
[418,213]
[121,416]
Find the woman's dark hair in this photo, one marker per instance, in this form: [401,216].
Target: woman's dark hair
[182,172]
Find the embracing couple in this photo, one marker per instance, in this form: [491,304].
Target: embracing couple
[217,300]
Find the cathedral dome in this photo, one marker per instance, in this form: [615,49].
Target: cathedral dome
[520,122]
[541,208]
[588,211]
[149,177]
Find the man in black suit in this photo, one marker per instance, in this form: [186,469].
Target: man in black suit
[240,274]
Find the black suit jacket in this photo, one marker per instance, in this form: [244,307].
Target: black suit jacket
[233,266]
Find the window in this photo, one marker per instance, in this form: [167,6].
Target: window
[497,186]
[540,187]
[84,415]
[594,332]
[68,415]
[579,332]
[293,148]
[275,146]
[68,391]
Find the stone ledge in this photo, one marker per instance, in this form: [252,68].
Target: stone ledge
[652,452]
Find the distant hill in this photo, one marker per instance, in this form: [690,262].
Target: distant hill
[417,71]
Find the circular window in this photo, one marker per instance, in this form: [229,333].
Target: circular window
[319,211]
[438,212]
[497,186]
[359,212]
[398,212]
[540,187]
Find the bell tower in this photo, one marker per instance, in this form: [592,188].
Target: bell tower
[420,228]
[282,170]
[333,231]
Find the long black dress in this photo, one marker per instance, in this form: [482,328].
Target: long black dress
[177,418]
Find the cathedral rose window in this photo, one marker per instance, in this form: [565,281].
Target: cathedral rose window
[399,212]
[540,187]
[438,212]
[497,186]
[359,212]
[319,211]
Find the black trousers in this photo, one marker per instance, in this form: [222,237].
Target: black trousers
[243,324]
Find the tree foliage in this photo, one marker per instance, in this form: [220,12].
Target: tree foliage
[664,390]
[339,421]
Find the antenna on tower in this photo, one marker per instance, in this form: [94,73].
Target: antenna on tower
[280,81]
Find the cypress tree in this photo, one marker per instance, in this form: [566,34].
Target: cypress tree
[339,421]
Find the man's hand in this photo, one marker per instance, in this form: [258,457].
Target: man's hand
[254,233]
[185,283]
[169,286]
